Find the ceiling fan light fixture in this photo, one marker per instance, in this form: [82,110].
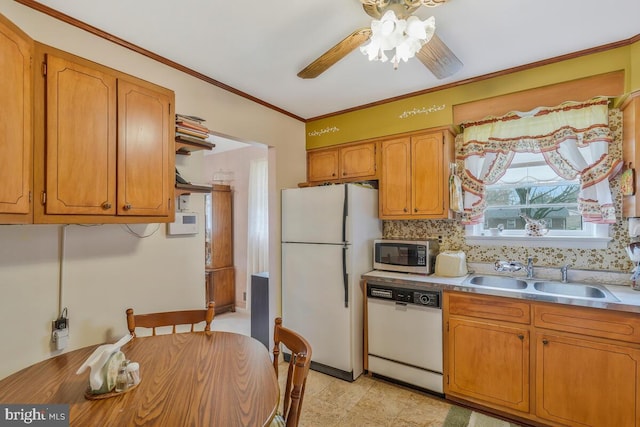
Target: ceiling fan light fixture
[404,37]
[408,3]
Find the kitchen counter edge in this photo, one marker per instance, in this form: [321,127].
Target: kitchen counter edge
[629,299]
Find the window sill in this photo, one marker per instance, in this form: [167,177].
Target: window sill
[565,242]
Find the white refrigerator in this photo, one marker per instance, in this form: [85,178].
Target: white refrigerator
[327,244]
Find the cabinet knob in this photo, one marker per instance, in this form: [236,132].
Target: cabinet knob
[106,205]
[405,209]
[545,341]
[521,337]
[127,207]
[415,209]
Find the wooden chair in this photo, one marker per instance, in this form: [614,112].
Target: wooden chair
[296,375]
[170,318]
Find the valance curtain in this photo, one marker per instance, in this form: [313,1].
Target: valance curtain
[573,138]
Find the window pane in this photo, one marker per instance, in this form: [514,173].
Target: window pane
[533,188]
[500,195]
[556,218]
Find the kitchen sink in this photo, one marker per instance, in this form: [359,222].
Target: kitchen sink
[541,287]
[498,282]
[571,289]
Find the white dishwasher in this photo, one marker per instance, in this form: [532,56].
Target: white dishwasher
[405,335]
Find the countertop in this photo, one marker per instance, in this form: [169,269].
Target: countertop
[629,300]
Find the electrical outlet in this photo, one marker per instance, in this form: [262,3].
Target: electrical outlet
[60,337]
[60,332]
[60,323]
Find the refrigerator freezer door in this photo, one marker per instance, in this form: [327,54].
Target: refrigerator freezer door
[313,214]
[313,301]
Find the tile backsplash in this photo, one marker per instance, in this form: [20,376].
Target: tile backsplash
[614,258]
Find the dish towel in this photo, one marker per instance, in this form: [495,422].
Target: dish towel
[455,194]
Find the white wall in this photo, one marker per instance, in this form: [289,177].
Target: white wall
[239,162]
[106,269]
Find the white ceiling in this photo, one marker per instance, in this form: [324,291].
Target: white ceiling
[258,47]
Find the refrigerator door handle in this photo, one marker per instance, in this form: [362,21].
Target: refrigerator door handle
[345,276]
[345,213]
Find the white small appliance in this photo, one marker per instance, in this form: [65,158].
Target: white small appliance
[185,223]
[406,256]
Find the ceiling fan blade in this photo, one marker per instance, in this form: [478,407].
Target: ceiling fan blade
[336,53]
[438,58]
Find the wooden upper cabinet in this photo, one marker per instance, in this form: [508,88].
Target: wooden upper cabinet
[81,139]
[16,139]
[414,177]
[428,174]
[395,182]
[323,165]
[349,162]
[104,149]
[145,156]
[358,161]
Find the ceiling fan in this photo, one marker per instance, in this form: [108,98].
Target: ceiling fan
[434,54]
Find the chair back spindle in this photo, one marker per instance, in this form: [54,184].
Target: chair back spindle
[170,318]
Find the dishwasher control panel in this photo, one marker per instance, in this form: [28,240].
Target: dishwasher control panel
[410,296]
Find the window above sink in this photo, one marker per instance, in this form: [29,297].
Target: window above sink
[546,170]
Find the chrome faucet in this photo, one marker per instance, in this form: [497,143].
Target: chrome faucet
[563,272]
[508,266]
[530,268]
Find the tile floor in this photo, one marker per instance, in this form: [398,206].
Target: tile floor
[367,401]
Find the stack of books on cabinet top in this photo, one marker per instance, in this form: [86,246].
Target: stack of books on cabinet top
[191,134]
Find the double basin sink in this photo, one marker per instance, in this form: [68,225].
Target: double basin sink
[541,287]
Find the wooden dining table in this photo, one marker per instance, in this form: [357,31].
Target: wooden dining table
[195,379]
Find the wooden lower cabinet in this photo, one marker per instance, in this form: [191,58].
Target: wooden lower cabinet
[221,288]
[489,362]
[554,364]
[585,383]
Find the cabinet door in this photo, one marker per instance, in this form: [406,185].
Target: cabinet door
[221,227]
[489,363]
[358,161]
[145,151]
[428,174]
[81,139]
[322,165]
[584,383]
[395,182]
[221,286]
[16,51]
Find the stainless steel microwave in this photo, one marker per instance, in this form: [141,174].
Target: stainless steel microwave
[407,256]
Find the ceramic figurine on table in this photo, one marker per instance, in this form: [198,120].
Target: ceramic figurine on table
[534,227]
